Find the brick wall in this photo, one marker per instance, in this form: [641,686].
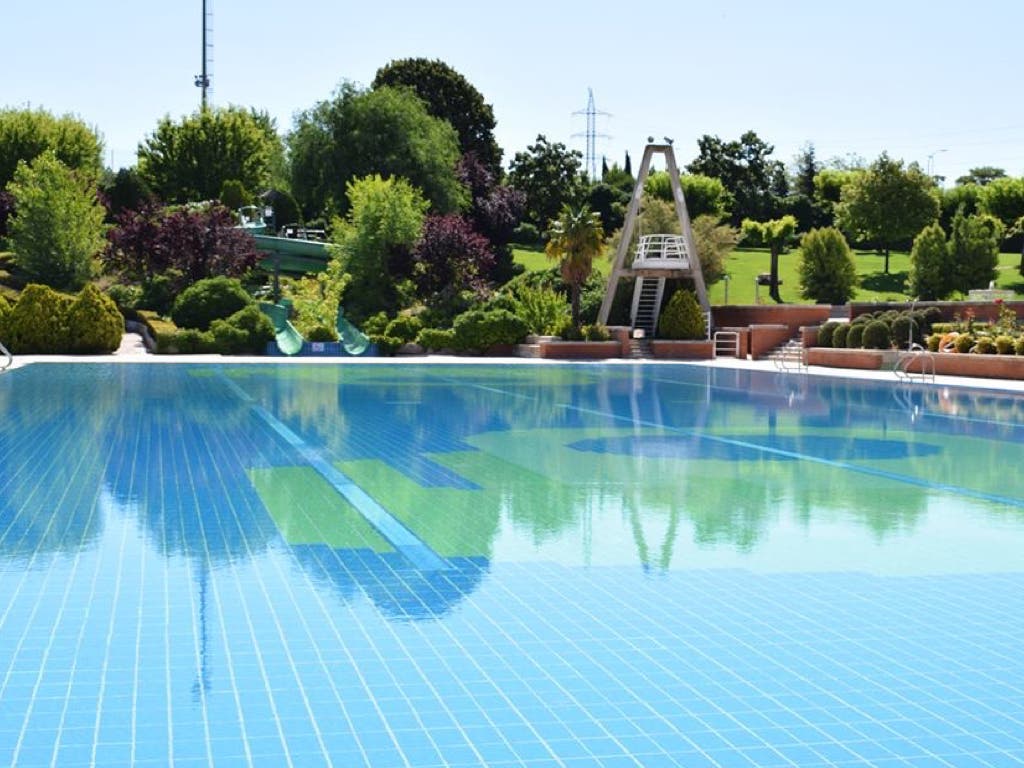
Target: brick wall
[791,315]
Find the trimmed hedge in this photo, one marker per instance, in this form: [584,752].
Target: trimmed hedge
[37,323]
[207,300]
[855,337]
[682,318]
[479,330]
[825,333]
[94,323]
[876,335]
[435,339]
[246,332]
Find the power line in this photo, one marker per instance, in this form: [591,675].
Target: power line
[592,113]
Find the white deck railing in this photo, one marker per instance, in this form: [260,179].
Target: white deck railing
[664,251]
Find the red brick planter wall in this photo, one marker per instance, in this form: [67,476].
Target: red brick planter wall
[580,350]
[791,315]
[765,338]
[863,359]
[982,366]
[664,349]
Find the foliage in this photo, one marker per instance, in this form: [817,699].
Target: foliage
[609,203]
[827,271]
[160,291]
[704,195]
[435,339]
[932,268]
[839,335]
[233,195]
[448,96]
[745,170]
[574,240]
[825,333]
[315,300]
[541,307]
[191,160]
[94,323]
[964,342]
[906,329]
[985,345]
[245,332]
[198,242]
[495,211]
[966,198]
[548,174]
[877,335]
[803,203]
[37,323]
[386,132]
[888,204]
[208,300]
[981,176]
[682,318]
[5,311]
[375,324]
[404,327]
[1004,199]
[855,336]
[59,223]
[527,234]
[286,210]
[1004,345]
[25,134]
[596,332]
[185,341]
[775,234]
[974,249]
[450,258]
[375,241]
[6,212]
[714,242]
[320,333]
[479,330]
[126,191]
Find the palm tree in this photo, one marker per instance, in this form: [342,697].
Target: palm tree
[575,238]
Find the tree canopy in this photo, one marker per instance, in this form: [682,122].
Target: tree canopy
[775,234]
[387,132]
[827,272]
[448,96]
[190,160]
[888,204]
[704,195]
[745,169]
[575,239]
[549,175]
[25,134]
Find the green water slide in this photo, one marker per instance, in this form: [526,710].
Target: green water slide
[290,341]
[286,254]
[352,339]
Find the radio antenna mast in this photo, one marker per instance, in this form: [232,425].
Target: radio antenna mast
[203,80]
[592,113]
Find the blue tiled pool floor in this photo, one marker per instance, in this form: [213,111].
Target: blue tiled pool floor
[159,606]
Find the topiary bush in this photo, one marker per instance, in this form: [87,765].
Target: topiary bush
[1018,346]
[984,346]
[825,333]
[877,335]
[321,333]
[435,339]
[94,324]
[682,318]
[963,343]
[207,300]
[855,338]
[839,336]
[479,330]
[1004,345]
[404,327]
[246,332]
[906,328]
[37,323]
[934,341]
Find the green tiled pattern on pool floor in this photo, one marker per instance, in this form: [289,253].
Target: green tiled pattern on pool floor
[307,510]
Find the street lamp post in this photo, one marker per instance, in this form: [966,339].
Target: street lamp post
[931,158]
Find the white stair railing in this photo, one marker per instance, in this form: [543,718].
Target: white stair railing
[8,358]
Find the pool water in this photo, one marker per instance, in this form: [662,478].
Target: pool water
[483,565]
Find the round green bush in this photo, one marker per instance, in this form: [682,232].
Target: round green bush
[682,318]
[1004,345]
[404,327]
[933,342]
[207,300]
[985,346]
[158,293]
[876,335]
[478,330]
[566,331]
[321,333]
[5,310]
[386,345]
[855,338]
[126,297]
[37,323]
[375,324]
[905,329]
[436,339]
[825,333]
[867,317]
[839,335]
[246,332]
[596,332]
[963,343]
[1018,345]
[95,325]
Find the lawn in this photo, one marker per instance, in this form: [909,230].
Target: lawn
[534,258]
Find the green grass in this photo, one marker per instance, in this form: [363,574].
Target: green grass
[534,259]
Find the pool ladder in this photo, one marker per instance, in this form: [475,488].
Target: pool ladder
[8,358]
[925,364]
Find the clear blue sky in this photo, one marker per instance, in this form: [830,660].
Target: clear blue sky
[914,77]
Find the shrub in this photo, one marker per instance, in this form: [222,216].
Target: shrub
[95,324]
[985,346]
[233,194]
[839,335]
[5,311]
[825,333]
[596,332]
[321,333]
[37,323]
[963,343]
[1018,345]
[933,342]
[566,331]
[855,338]
[386,345]
[125,297]
[404,327]
[877,335]
[478,330]
[541,307]
[906,328]
[375,324]
[247,331]
[682,318]
[827,271]
[436,339]
[526,234]
[932,315]
[208,300]
[186,341]
[1004,345]
[159,292]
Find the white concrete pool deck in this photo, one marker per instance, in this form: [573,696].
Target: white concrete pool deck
[132,350]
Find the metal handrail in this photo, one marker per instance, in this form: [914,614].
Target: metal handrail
[9,357]
[915,352]
[658,250]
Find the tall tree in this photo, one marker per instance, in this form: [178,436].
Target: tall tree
[888,204]
[190,160]
[575,239]
[58,224]
[358,133]
[981,176]
[745,168]
[802,201]
[827,272]
[449,96]
[495,210]
[974,248]
[549,175]
[704,195]
[931,265]
[775,235]
[25,134]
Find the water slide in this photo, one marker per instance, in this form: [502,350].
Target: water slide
[290,341]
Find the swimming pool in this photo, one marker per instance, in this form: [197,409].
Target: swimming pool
[436,565]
